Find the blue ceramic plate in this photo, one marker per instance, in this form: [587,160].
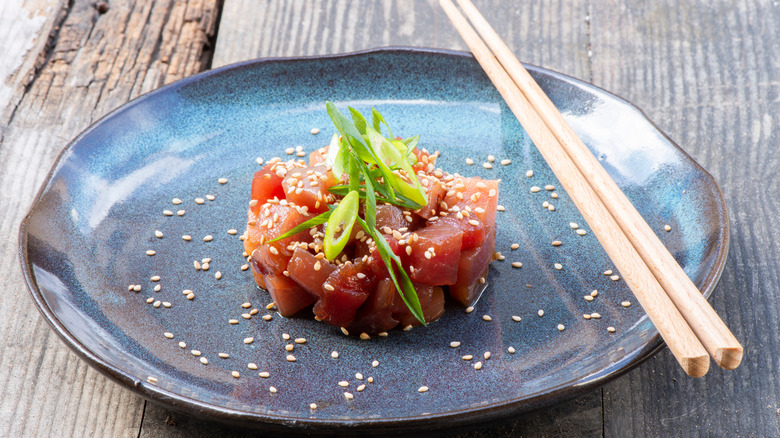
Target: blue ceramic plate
[85,240]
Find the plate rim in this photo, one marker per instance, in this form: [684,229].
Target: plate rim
[448,420]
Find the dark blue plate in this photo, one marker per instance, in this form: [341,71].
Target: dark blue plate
[85,239]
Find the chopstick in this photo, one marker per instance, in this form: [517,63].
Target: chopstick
[679,337]
[702,318]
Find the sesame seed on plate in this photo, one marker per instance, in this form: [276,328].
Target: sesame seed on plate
[511,350]
[343,330]
[486,355]
[150,252]
[289,151]
[375,363]
[232,231]
[183,344]
[469,309]
[551,207]
[244,267]
[487,318]
[343,383]
[166,304]
[272,390]
[264,374]
[549,187]
[218,275]
[195,353]
[595,315]
[167,213]
[469,161]
[573,225]
[588,298]
[210,197]
[561,327]
[190,296]
[222,180]
[594,293]
[535,189]
[500,207]
[506,162]
[517,264]
[181,212]
[187,237]
[208,238]
[364,336]
[540,312]
[514,246]
[199,201]
[626,303]
[223,355]
[137,288]
[267,317]
[491,158]
[157,303]
[556,243]
[361,387]
[315,131]
[422,389]
[251,366]
[487,165]
[554,195]
[168,335]
[152,380]
[516,318]
[558,266]
[289,347]
[204,361]
[158,234]
[233,321]
[529,174]
[611,329]
[478,366]
[313,406]
[455,344]
[235,374]
[176,201]
[582,232]
[150,300]
[614,277]
[467,357]
[249,340]
[348,396]
[334,354]
[608,272]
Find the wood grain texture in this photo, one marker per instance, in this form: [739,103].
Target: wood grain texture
[96,62]
[708,74]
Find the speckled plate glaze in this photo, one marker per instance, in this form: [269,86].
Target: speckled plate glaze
[86,236]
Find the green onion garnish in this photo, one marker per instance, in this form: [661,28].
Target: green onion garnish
[341,220]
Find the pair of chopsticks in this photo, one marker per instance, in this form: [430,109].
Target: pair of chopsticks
[688,324]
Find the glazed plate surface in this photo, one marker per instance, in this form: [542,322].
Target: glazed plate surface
[85,240]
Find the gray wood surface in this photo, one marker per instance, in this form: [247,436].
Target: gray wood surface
[706,72]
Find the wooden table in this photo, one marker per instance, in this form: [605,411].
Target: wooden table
[707,72]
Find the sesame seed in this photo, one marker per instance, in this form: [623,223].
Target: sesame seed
[556,243]
[667,228]
[422,389]
[168,335]
[137,288]
[517,265]
[540,313]
[361,387]
[195,352]
[478,366]
[157,303]
[586,315]
[264,374]
[469,161]
[474,222]
[487,318]
[223,355]
[529,174]
[554,195]
[375,363]
[289,151]
[208,238]
[167,213]
[233,321]
[150,300]
[469,309]
[327,286]
[506,162]
[364,336]
[467,357]
[573,225]
[454,344]
[267,317]
[594,293]
[516,318]
[244,267]
[343,383]
[582,232]
[611,329]
[151,252]
[614,277]
[176,201]
[158,234]
[249,340]
[486,355]
[235,374]
[514,246]
[545,204]
[181,212]
[204,361]
[561,327]
[199,201]
[535,189]
[595,315]
[272,390]
[270,306]
[408,327]
[558,266]
[166,304]
[315,131]
[232,231]
[152,380]
[500,207]
[313,406]
[588,298]
[251,366]
[289,347]
[218,275]
[344,330]
[300,340]
[348,396]
[491,158]
[222,180]
[608,272]
[211,197]
[334,354]
[190,296]
[549,187]
[187,237]
[487,165]
[182,344]
[626,303]
[551,207]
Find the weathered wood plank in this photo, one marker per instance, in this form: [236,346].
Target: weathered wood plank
[550,33]
[707,73]
[96,63]
[25,28]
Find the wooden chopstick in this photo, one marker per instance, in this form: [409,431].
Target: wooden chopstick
[705,322]
[679,337]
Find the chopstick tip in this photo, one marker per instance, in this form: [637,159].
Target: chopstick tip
[696,366]
[728,357]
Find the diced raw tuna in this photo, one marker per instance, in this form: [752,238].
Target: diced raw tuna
[390,216]
[349,291]
[431,301]
[473,232]
[268,263]
[435,190]
[473,265]
[281,218]
[308,187]
[376,314]
[434,255]
[266,184]
[377,265]
[309,271]
[288,296]
[318,157]
[481,195]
